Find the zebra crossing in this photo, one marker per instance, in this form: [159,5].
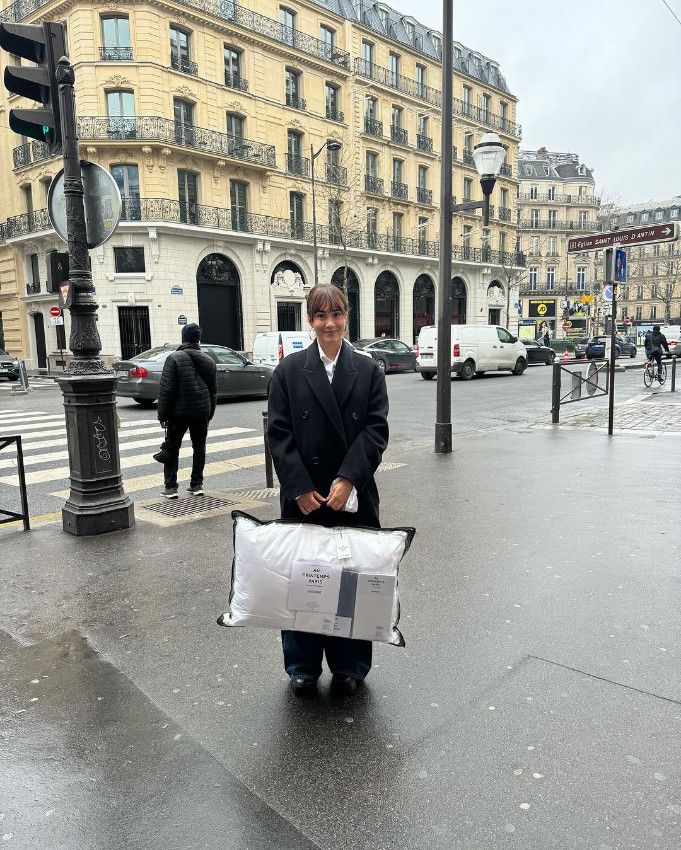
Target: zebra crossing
[46,455]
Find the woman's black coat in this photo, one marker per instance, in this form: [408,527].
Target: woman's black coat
[319,431]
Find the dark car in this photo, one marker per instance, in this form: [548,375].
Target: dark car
[392,355]
[580,347]
[139,377]
[9,366]
[538,353]
[596,348]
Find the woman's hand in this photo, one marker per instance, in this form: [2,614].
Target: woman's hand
[309,502]
[339,494]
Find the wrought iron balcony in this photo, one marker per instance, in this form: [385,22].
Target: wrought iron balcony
[295,101]
[235,81]
[26,223]
[334,114]
[373,127]
[481,115]
[29,153]
[33,288]
[372,184]
[406,85]
[467,157]
[297,164]
[576,200]
[336,174]
[115,54]
[398,135]
[504,213]
[399,190]
[506,170]
[423,195]
[550,224]
[183,64]
[424,143]
[150,128]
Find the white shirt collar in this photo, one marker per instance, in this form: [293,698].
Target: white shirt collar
[329,365]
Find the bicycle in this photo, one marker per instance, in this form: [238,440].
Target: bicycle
[650,373]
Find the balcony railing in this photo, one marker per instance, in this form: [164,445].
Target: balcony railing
[467,157]
[406,85]
[143,128]
[504,213]
[32,288]
[235,81]
[506,170]
[423,195]
[576,200]
[26,223]
[115,54]
[336,174]
[399,190]
[295,101]
[483,116]
[297,164]
[334,114]
[29,153]
[373,127]
[424,143]
[549,224]
[372,184]
[183,64]
[398,135]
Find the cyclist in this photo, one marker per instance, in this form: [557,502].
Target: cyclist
[654,343]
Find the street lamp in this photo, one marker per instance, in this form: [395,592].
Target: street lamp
[329,144]
[488,155]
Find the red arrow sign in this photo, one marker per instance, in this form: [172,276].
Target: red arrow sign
[55,311]
[635,236]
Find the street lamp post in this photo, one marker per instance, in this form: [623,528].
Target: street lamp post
[332,146]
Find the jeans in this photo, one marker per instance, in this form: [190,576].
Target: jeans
[657,357]
[198,430]
[303,653]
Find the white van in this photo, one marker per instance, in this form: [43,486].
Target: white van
[272,346]
[476,349]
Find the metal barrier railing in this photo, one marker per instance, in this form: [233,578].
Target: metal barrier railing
[591,381]
[269,475]
[12,516]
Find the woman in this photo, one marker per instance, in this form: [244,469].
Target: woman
[328,428]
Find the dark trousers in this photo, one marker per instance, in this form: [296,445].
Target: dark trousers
[304,651]
[657,357]
[198,430]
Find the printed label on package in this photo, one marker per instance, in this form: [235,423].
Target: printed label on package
[314,586]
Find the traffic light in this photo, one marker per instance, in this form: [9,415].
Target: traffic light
[43,44]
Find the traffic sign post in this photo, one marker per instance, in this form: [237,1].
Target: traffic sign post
[625,238]
[610,255]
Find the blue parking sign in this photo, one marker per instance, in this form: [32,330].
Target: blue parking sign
[620,266]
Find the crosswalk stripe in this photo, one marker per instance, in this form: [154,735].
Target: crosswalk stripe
[34,459]
[144,425]
[146,482]
[149,429]
[40,476]
[36,426]
[17,414]
[34,420]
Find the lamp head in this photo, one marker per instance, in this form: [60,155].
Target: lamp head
[335,146]
[489,155]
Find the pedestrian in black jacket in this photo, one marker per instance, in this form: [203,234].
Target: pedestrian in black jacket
[328,428]
[186,401]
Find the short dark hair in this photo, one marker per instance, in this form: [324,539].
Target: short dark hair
[326,296]
[656,328]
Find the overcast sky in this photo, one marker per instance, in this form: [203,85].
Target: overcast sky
[601,78]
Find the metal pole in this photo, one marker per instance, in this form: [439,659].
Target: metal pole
[610,279]
[443,417]
[673,383]
[314,220]
[97,502]
[555,394]
[269,477]
[22,485]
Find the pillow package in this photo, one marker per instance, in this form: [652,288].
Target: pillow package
[339,581]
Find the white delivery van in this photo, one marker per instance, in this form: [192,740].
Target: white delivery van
[476,349]
[272,346]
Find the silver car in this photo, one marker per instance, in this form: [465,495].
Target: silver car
[139,378]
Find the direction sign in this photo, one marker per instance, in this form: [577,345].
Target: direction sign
[55,311]
[636,236]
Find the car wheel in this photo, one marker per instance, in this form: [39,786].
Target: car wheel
[632,353]
[382,365]
[145,402]
[520,366]
[427,376]
[551,359]
[467,370]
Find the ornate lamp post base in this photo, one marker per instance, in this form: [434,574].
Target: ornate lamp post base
[97,502]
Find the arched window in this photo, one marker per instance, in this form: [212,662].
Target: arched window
[386,306]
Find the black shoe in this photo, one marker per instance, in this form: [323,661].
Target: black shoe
[160,457]
[304,686]
[343,684]
[195,489]
[169,492]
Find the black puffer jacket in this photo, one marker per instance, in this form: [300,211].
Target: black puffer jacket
[189,385]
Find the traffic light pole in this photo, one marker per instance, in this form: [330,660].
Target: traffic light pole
[97,502]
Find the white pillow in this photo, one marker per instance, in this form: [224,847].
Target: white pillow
[335,581]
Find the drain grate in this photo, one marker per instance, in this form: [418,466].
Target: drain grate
[188,507]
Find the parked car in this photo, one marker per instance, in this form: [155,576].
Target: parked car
[538,353]
[476,349]
[269,347]
[139,378]
[596,348]
[580,347]
[9,366]
[392,355]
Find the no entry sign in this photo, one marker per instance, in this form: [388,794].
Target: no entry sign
[55,311]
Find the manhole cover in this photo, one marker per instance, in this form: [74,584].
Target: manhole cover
[188,507]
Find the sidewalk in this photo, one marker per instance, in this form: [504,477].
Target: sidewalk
[536,704]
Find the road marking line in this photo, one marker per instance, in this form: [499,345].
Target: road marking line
[18,414]
[34,459]
[62,472]
[35,520]
[147,482]
[34,422]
